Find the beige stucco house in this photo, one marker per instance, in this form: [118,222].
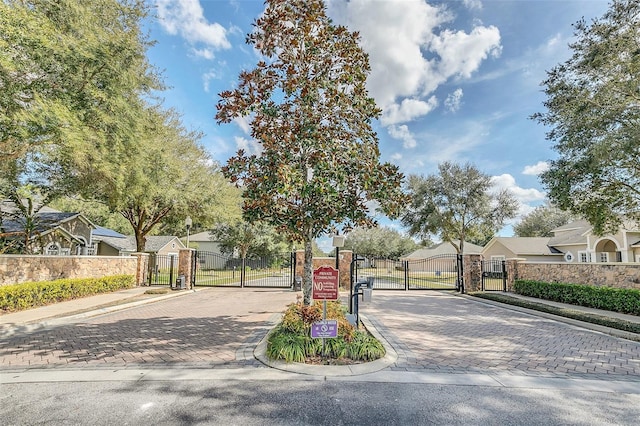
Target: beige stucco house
[571,243]
[580,244]
[533,249]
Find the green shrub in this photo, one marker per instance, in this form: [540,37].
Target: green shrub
[607,298]
[291,340]
[18,297]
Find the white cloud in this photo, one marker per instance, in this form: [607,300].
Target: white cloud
[244,124]
[462,53]
[524,195]
[207,77]
[397,156]
[411,51]
[453,101]
[472,4]
[250,146]
[536,169]
[408,110]
[186,19]
[402,133]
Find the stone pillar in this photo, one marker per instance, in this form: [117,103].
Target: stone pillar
[142,268]
[472,264]
[184,264]
[512,272]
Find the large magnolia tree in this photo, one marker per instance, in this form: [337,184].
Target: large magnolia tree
[318,169]
[457,205]
[593,111]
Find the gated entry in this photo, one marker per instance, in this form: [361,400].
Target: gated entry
[217,270]
[441,272]
[494,275]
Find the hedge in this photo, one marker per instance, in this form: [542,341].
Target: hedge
[622,300]
[17,297]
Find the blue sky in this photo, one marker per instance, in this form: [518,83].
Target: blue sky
[456,80]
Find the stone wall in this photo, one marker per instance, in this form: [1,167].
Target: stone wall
[620,275]
[16,269]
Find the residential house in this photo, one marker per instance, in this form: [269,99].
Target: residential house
[122,245]
[203,241]
[574,242]
[51,232]
[580,244]
[535,249]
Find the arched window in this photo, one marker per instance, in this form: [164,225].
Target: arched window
[52,249]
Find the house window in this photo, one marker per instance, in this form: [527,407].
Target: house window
[584,257]
[52,250]
[568,257]
[604,257]
[91,250]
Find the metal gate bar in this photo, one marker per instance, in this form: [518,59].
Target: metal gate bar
[217,270]
[494,275]
[443,272]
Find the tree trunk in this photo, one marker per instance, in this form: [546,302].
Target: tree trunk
[140,241]
[308,272]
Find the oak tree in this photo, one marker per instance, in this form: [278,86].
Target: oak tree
[593,112]
[457,205]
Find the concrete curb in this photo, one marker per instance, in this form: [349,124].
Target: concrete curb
[331,370]
[582,324]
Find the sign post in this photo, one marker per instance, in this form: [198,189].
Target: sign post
[325,287]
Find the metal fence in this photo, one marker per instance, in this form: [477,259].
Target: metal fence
[163,269]
[217,270]
[494,275]
[435,273]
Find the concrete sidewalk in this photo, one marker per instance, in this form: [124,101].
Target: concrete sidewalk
[85,307]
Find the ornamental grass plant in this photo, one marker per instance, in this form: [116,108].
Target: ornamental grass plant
[291,340]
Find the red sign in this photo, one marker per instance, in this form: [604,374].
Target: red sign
[325,283]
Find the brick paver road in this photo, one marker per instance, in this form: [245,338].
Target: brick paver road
[441,332]
[214,327]
[432,332]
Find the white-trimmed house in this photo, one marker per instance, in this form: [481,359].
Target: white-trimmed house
[571,243]
[52,233]
[533,249]
[579,244]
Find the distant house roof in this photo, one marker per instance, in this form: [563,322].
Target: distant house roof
[442,248]
[571,233]
[101,231]
[201,237]
[45,221]
[538,246]
[153,244]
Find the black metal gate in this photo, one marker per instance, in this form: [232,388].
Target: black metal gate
[443,272]
[217,270]
[494,275]
[163,269]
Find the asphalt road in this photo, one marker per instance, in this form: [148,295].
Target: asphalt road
[307,402]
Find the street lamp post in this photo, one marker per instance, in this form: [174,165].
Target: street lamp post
[188,222]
